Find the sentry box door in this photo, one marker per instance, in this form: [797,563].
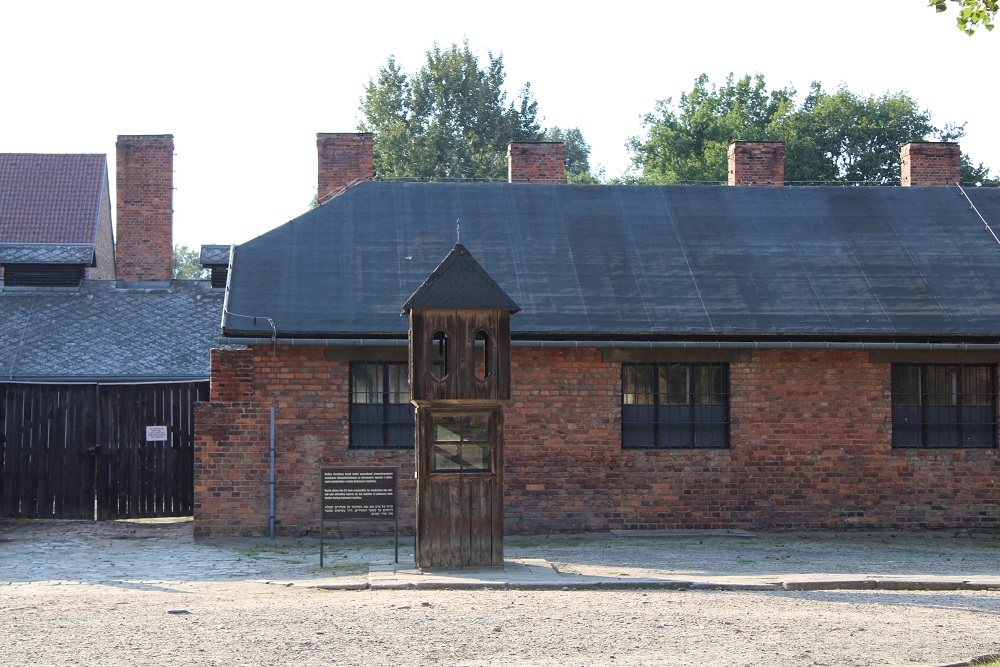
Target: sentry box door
[460,487]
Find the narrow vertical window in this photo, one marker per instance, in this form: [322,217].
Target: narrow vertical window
[483,354]
[439,355]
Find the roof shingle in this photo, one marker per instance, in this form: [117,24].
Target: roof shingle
[50,198]
[638,262]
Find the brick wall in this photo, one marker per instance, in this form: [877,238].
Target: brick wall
[756,163]
[536,162]
[144,192]
[930,164]
[810,449]
[310,399]
[343,157]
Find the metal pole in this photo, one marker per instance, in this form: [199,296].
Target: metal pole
[272,475]
[395,507]
[322,511]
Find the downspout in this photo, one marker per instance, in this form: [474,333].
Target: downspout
[271,476]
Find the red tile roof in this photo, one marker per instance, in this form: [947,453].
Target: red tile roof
[50,198]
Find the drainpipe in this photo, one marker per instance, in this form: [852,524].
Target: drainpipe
[271,476]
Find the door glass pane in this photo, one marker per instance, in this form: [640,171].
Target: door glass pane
[447,429]
[476,428]
[461,442]
[476,457]
[447,457]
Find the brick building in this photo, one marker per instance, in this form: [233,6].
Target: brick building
[686,357]
[97,341]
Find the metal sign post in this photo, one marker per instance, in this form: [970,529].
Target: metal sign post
[358,494]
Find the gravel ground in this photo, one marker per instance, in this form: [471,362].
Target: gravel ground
[235,618]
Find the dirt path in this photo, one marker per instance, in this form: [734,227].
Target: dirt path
[147,594]
[248,623]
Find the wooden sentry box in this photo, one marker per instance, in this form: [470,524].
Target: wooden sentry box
[459,379]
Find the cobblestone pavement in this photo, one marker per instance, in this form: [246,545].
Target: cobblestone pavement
[144,551]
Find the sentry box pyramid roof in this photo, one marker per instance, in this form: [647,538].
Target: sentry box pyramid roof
[460,283]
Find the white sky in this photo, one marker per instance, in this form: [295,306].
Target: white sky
[245,86]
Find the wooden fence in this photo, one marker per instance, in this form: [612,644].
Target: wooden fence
[81,451]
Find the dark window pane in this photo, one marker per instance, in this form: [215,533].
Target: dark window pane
[711,435]
[637,384]
[675,406]
[381,414]
[366,383]
[942,388]
[674,384]
[638,425]
[943,405]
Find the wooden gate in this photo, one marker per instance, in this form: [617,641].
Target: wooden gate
[81,451]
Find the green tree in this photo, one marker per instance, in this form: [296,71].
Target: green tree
[840,136]
[976,174]
[450,119]
[843,136]
[187,263]
[688,140]
[577,155]
[971,13]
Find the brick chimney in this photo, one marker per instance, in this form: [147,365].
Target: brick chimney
[757,163]
[928,163]
[344,157]
[536,162]
[144,249]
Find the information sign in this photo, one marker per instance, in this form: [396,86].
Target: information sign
[356,493]
[156,433]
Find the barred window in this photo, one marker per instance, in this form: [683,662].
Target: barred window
[381,413]
[675,406]
[941,405]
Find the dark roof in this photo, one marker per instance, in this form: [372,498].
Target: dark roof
[104,333]
[51,198]
[627,261]
[47,253]
[460,283]
[215,255]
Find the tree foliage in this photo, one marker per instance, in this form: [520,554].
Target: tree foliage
[187,263]
[577,155]
[971,13]
[830,136]
[450,119]
[687,141]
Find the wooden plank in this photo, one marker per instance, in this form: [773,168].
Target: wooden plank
[8,446]
[63,503]
[49,429]
[40,456]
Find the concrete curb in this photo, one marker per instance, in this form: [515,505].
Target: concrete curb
[978,660]
[435,583]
